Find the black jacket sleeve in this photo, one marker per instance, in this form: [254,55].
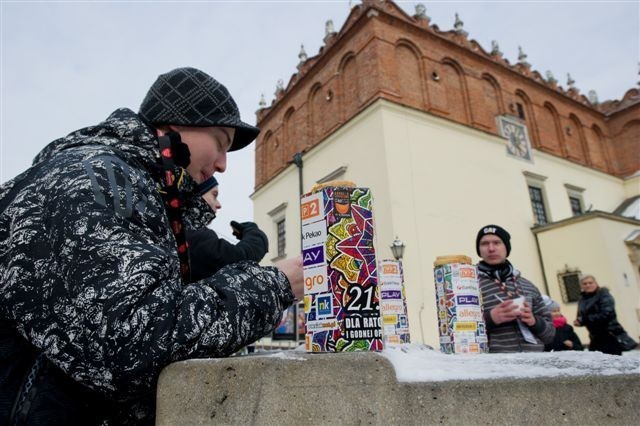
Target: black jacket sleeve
[95,280]
[209,253]
[577,344]
[602,312]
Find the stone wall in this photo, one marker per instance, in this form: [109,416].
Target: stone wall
[361,388]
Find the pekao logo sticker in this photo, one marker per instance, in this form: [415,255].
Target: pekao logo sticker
[314,234]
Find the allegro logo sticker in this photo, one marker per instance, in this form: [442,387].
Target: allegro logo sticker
[315,280]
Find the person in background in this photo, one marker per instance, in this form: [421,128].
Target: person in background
[209,253]
[565,339]
[597,312]
[509,328]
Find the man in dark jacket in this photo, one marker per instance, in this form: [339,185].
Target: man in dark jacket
[95,291]
[509,327]
[209,253]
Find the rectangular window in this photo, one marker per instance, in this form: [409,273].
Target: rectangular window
[576,200]
[537,203]
[570,286]
[576,205]
[538,197]
[278,231]
[520,110]
[281,237]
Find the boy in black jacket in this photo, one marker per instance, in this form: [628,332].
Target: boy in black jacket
[209,253]
[565,339]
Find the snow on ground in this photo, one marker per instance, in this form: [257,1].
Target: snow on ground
[284,355]
[420,363]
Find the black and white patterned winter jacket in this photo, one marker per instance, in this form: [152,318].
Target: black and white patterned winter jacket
[89,271]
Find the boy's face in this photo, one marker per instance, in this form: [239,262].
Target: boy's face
[211,198]
[208,147]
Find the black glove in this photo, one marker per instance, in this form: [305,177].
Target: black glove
[239,228]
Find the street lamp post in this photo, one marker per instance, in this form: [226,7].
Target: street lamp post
[297,160]
[397,249]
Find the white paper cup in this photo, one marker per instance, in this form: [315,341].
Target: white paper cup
[519,303]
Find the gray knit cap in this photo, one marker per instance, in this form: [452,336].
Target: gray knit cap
[190,97]
[549,303]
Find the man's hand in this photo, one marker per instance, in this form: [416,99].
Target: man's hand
[568,343]
[526,315]
[292,268]
[577,323]
[504,312]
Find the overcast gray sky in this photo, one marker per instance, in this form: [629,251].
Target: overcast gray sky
[67,65]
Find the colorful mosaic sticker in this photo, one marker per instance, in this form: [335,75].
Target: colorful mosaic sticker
[344,306]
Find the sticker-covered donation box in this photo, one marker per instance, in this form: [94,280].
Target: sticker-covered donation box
[460,315]
[342,310]
[393,302]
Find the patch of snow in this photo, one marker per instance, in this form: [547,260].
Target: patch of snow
[419,363]
[283,355]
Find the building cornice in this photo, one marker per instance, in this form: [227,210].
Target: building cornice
[361,13]
[596,214]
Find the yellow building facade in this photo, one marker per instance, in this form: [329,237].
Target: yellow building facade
[451,138]
[435,183]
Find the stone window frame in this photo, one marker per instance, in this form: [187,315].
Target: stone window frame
[337,173]
[278,218]
[569,282]
[536,181]
[575,193]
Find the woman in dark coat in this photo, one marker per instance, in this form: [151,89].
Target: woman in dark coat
[596,311]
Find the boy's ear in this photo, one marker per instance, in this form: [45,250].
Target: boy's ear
[164,129]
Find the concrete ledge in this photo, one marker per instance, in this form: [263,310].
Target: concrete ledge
[361,388]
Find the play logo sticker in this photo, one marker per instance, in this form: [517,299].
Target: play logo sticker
[313,256]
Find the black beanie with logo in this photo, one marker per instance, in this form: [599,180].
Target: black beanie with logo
[497,231]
